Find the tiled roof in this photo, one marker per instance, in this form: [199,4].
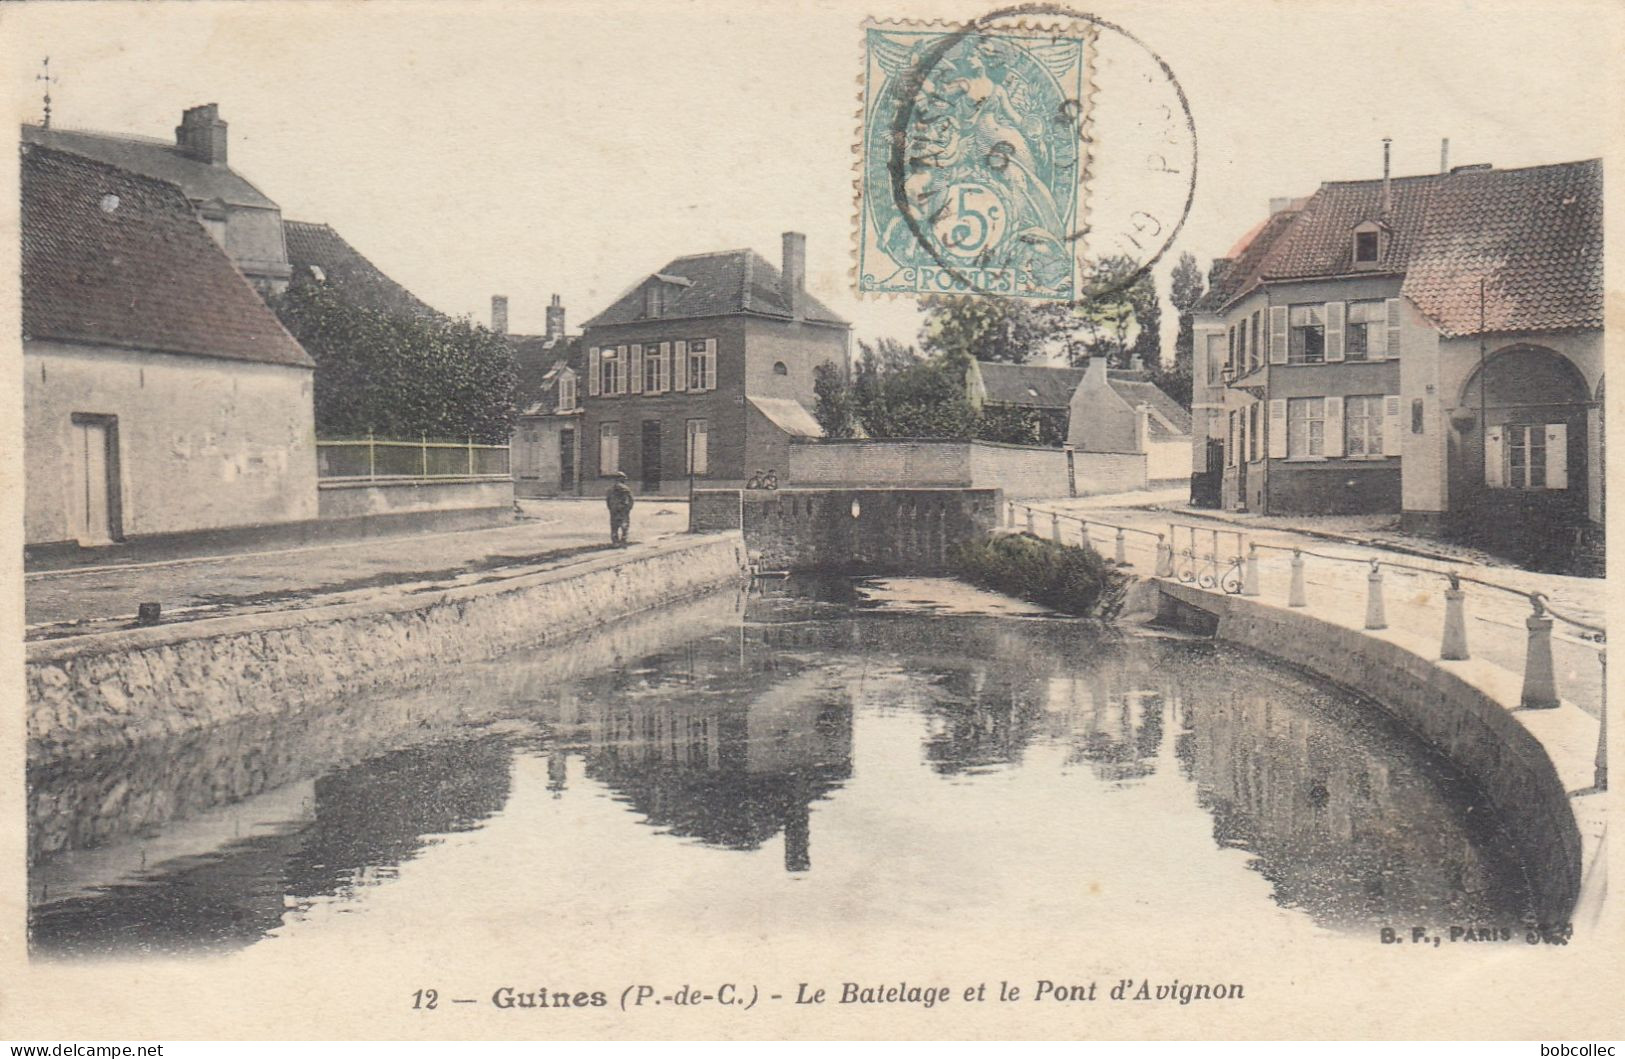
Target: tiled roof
[158,159]
[1320,243]
[1533,235]
[1242,272]
[1164,408]
[343,268]
[113,258]
[789,416]
[1029,385]
[719,284]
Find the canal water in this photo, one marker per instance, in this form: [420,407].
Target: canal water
[810,757]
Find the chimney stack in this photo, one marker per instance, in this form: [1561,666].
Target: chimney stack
[499,314]
[794,272]
[1444,155]
[202,135]
[1387,191]
[555,318]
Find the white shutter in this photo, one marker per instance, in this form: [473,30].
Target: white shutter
[1334,330]
[1332,432]
[679,367]
[621,358]
[1494,474]
[592,372]
[664,372]
[1277,338]
[1392,436]
[1391,309]
[710,364]
[1277,431]
[1376,335]
[1557,455]
[634,366]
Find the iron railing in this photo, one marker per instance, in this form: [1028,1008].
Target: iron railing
[1556,648]
[383,459]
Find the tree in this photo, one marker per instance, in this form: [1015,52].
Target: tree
[1186,288]
[833,406]
[924,400]
[401,376]
[983,327]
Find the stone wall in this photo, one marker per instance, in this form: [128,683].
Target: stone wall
[855,531]
[344,498]
[112,690]
[1475,732]
[1022,472]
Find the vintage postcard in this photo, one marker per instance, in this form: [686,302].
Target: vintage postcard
[876,518]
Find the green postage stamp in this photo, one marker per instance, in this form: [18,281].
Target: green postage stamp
[974,153]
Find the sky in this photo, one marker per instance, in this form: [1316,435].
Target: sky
[471,149]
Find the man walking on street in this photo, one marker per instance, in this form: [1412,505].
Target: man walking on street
[619,499]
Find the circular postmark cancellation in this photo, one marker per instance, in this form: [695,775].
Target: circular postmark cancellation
[1050,161]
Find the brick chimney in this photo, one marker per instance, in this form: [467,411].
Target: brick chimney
[202,135]
[499,313]
[555,318]
[794,272]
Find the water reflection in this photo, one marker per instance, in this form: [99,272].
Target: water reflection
[849,743]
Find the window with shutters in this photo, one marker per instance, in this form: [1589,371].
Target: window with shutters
[567,391]
[1230,449]
[1258,349]
[1306,427]
[1306,337]
[1215,358]
[701,364]
[699,446]
[609,448]
[1365,320]
[609,369]
[1363,425]
[654,369]
[1253,432]
[1243,361]
[1230,352]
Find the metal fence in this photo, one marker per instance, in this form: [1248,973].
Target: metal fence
[375,459]
[1561,656]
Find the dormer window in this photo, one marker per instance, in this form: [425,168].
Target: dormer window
[1368,240]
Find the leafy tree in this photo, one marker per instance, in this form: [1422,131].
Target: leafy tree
[833,407]
[401,376]
[1022,426]
[924,400]
[1186,288]
[984,327]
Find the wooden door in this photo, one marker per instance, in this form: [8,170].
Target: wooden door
[567,460]
[93,505]
[651,455]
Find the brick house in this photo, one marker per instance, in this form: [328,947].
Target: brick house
[246,224]
[706,364]
[1340,349]
[161,396]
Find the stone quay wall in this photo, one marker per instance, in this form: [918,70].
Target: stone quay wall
[1478,734]
[850,531]
[108,691]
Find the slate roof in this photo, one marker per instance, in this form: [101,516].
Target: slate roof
[538,361]
[537,395]
[1029,385]
[1534,235]
[159,159]
[789,416]
[718,284]
[1136,389]
[113,258]
[357,280]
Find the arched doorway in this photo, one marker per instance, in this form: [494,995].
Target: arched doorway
[1520,479]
